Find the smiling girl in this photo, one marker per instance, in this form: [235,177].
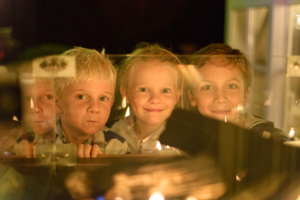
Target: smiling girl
[151,82]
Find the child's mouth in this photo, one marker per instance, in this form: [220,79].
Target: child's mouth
[153,110]
[221,112]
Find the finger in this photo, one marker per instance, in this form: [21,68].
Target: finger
[29,151]
[87,150]
[80,150]
[95,151]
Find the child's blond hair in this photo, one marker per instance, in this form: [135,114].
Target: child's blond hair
[145,52]
[90,66]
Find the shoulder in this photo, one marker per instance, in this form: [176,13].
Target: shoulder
[264,128]
[109,135]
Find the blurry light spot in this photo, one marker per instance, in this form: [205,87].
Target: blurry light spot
[240,108]
[292,132]
[238,178]
[127,112]
[158,145]
[31,103]
[118,198]
[157,196]
[15,118]
[100,198]
[168,146]
[124,104]
[296,65]
[191,198]
[225,119]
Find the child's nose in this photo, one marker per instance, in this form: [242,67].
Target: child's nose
[155,97]
[220,96]
[93,107]
[35,106]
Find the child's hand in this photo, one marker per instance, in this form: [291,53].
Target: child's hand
[30,150]
[87,151]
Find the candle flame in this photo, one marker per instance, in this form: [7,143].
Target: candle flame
[225,119]
[158,145]
[157,196]
[292,132]
[127,112]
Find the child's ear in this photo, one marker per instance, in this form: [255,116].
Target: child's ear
[192,98]
[58,105]
[246,97]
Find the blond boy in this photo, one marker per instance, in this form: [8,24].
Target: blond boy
[83,105]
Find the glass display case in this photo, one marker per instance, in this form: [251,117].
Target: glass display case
[195,156]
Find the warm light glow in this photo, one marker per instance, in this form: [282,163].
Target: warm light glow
[225,119]
[158,145]
[191,198]
[15,118]
[238,178]
[292,132]
[240,107]
[157,196]
[124,104]
[127,112]
[118,198]
[31,103]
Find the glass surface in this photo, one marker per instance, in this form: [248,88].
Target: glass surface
[55,171]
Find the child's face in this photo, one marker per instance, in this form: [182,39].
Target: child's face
[152,92]
[85,107]
[221,92]
[38,107]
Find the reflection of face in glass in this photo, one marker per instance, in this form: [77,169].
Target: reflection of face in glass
[38,107]
[152,92]
[220,93]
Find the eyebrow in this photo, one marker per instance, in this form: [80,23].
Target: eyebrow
[81,90]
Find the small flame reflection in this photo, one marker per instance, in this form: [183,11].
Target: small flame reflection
[31,103]
[292,132]
[127,112]
[225,119]
[191,198]
[158,145]
[124,104]
[157,196]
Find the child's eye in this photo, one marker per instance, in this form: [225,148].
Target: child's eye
[103,98]
[166,90]
[207,87]
[144,90]
[232,86]
[47,97]
[80,96]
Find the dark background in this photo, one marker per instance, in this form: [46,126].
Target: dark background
[118,25]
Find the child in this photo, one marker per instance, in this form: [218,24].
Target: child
[224,88]
[38,111]
[83,105]
[152,84]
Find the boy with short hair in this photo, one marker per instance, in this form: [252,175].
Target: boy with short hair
[83,105]
[224,88]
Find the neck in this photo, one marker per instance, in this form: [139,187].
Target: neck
[73,135]
[144,130]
